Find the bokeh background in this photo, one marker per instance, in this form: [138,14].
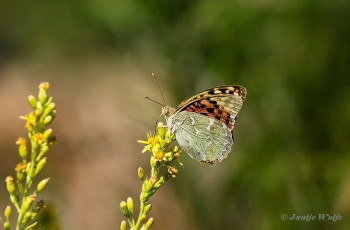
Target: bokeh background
[291,151]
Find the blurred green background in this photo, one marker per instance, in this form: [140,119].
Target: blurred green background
[291,150]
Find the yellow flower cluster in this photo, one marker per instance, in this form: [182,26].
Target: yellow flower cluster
[159,145]
[162,155]
[33,160]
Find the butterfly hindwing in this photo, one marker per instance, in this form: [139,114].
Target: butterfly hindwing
[203,138]
[203,124]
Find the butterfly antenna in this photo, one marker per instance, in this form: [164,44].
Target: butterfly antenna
[154,101]
[154,76]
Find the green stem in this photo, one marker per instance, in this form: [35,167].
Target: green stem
[19,220]
[139,219]
[31,226]
[21,188]
[131,224]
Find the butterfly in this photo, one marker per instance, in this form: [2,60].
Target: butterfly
[203,124]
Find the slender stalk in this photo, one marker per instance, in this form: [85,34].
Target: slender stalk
[142,208]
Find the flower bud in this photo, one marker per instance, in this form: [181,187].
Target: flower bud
[148,184]
[22,150]
[177,155]
[20,169]
[161,130]
[48,120]
[124,209]
[27,203]
[10,185]
[168,156]
[148,208]
[26,217]
[20,176]
[123,225]
[167,134]
[32,101]
[49,108]
[49,100]
[7,213]
[47,133]
[44,85]
[38,111]
[159,182]
[42,92]
[7,226]
[154,162]
[130,204]
[28,166]
[43,149]
[40,165]
[22,147]
[141,174]
[42,184]
[149,223]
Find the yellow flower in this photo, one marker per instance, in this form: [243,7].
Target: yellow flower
[38,137]
[151,143]
[31,120]
[21,141]
[153,140]
[44,85]
[20,167]
[159,155]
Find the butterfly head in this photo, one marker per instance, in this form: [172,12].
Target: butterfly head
[167,110]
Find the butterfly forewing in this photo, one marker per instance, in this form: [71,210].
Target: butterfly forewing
[220,91]
[221,103]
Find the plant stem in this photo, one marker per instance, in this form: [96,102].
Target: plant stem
[139,219]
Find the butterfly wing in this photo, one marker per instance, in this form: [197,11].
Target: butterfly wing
[203,138]
[220,103]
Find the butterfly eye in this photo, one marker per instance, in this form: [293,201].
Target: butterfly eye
[165,110]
